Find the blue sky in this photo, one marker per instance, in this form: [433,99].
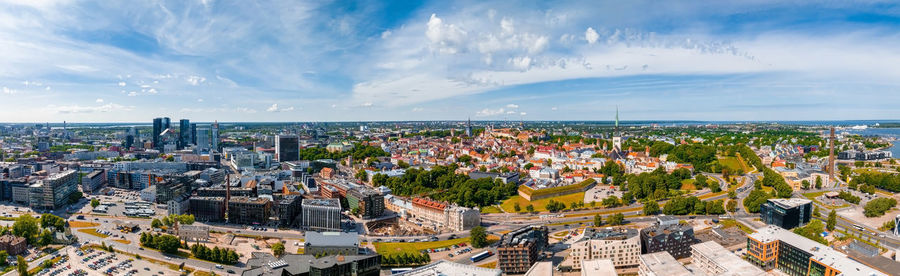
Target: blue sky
[130,61]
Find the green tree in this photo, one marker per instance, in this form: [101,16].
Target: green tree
[95,203]
[832,220]
[516,207]
[167,244]
[529,208]
[598,220]
[22,266]
[478,237]
[155,223]
[3,256]
[731,205]
[26,226]
[804,184]
[278,249]
[616,219]
[46,238]
[651,207]
[818,182]
[166,221]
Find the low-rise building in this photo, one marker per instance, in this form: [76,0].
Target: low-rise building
[13,245]
[447,268]
[774,247]
[246,210]
[193,232]
[331,243]
[265,264]
[368,203]
[598,267]
[93,181]
[661,264]
[207,209]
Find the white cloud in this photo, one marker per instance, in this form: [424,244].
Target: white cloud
[385,34]
[553,108]
[512,106]
[245,110]
[445,38]
[99,100]
[510,112]
[121,84]
[47,88]
[275,108]
[487,112]
[132,94]
[76,109]
[417,109]
[523,114]
[8,91]
[199,100]
[367,104]
[591,35]
[195,80]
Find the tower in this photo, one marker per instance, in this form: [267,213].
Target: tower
[469,128]
[831,156]
[617,136]
[184,133]
[215,137]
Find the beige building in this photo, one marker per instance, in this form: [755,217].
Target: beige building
[440,215]
[599,267]
[661,264]
[621,246]
[713,259]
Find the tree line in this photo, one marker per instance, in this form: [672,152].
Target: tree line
[442,183]
[216,254]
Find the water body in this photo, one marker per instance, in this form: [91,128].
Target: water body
[884,132]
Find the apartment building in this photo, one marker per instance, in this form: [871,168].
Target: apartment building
[247,210]
[713,259]
[673,238]
[621,246]
[774,247]
[661,264]
[520,249]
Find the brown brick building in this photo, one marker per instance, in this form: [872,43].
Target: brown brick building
[12,245]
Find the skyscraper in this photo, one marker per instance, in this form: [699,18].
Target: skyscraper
[157,129]
[202,139]
[287,147]
[215,136]
[184,133]
[194,134]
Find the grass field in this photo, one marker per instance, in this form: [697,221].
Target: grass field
[727,223]
[490,210]
[491,265]
[92,231]
[539,205]
[82,224]
[391,248]
[734,163]
[688,185]
[123,241]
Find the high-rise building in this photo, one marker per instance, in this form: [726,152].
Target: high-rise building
[194,134]
[184,133]
[786,213]
[287,148]
[215,137]
[202,140]
[321,214]
[53,192]
[157,129]
[520,249]
[469,127]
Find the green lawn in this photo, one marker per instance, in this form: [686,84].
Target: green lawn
[539,205]
[92,231]
[813,195]
[391,248]
[688,185]
[490,210]
[727,223]
[734,163]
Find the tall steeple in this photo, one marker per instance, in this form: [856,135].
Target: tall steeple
[617,136]
[617,119]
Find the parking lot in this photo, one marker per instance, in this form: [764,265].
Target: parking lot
[77,262]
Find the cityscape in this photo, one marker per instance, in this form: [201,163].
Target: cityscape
[451,138]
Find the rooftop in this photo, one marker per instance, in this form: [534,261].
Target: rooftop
[445,268]
[788,203]
[732,263]
[662,263]
[600,267]
[332,239]
[821,253]
[329,202]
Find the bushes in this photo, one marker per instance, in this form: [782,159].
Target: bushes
[405,259]
[685,205]
[887,181]
[848,197]
[812,230]
[164,243]
[877,207]
[216,254]
[755,199]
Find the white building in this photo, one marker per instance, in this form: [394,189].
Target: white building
[447,268]
[713,259]
[149,194]
[599,267]
[661,264]
[621,246]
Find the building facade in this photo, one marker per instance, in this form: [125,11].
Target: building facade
[786,213]
[713,259]
[774,247]
[321,214]
[621,246]
[369,203]
[331,243]
[246,210]
[675,239]
[207,208]
[287,148]
[520,249]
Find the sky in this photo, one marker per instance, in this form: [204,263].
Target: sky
[131,61]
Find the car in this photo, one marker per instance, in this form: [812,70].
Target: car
[140,248]
[230,271]
[219,266]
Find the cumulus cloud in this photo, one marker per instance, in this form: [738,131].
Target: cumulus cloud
[275,108]
[75,109]
[8,91]
[553,108]
[523,114]
[99,100]
[444,38]
[487,112]
[122,84]
[512,106]
[591,35]
[195,80]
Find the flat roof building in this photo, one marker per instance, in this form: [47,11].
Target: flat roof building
[661,264]
[331,243]
[621,246]
[786,212]
[447,268]
[673,238]
[520,249]
[773,247]
[598,267]
[713,259]
[321,214]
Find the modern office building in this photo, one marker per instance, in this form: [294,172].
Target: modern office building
[621,246]
[598,267]
[287,148]
[215,137]
[369,203]
[786,212]
[265,264]
[661,264]
[246,210]
[207,208]
[158,127]
[93,181]
[673,238]
[184,133]
[713,259]
[520,249]
[203,145]
[331,243]
[53,192]
[321,214]
[774,247]
[896,229]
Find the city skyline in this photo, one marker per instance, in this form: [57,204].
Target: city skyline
[433,60]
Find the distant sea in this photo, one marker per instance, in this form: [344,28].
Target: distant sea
[885,132]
